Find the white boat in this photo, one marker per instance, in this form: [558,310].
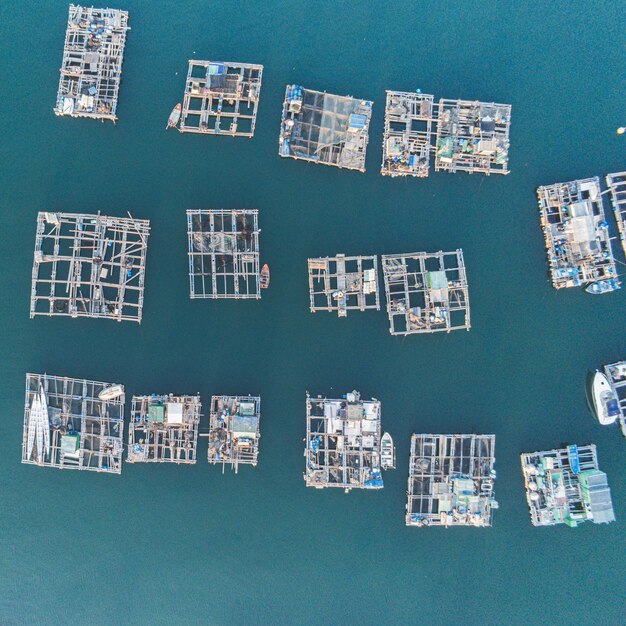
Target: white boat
[38,439]
[605,403]
[387,453]
[111,393]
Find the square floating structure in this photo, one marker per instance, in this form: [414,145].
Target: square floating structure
[164,429]
[72,423]
[89,266]
[234,431]
[91,70]
[343,443]
[616,375]
[426,292]
[343,283]
[324,128]
[451,480]
[577,234]
[472,137]
[221,98]
[565,486]
[617,187]
[407,134]
[223,253]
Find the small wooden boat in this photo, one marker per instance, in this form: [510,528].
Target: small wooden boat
[174,117]
[603,286]
[387,452]
[111,393]
[264,278]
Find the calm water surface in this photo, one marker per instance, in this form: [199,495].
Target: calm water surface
[190,545]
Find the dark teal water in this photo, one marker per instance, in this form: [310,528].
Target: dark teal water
[188,545]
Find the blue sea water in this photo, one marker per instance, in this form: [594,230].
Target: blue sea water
[174,545]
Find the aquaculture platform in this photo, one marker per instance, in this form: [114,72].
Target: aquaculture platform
[451,480]
[234,431]
[407,134]
[343,283]
[223,253]
[324,128]
[89,266]
[616,375]
[164,429]
[343,443]
[617,186]
[72,423]
[577,235]
[472,137]
[426,292]
[565,486]
[91,70]
[221,98]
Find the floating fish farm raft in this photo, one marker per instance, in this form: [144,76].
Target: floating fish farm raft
[426,292]
[472,137]
[616,375]
[407,134]
[451,480]
[577,234]
[343,443]
[617,186]
[92,63]
[223,253]
[343,283]
[234,431]
[221,98]
[89,266]
[324,128]
[164,429]
[72,423]
[565,486]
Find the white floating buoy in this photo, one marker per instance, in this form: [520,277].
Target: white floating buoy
[621,130]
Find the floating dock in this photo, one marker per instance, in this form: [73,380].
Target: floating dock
[343,443]
[426,292]
[89,266]
[342,283]
[72,423]
[164,429]
[407,134]
[451,480]
[234,431]
[91,70]
[617,187]
[577,234]
[472,137]
[616,375]
[223,253]
[565,486]
[221,98]
[324,128]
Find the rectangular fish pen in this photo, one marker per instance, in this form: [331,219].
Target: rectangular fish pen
[407,134]
[221,93]
[617,186]
[343,443]
[164,429]
[72,423]
[576,233]
[324,128]
[223,253]
[91,70]
[343,283]
[565,486]
[472,137]
[89,266]
[426,292]
[451,480]
[616,375]
[234,431]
